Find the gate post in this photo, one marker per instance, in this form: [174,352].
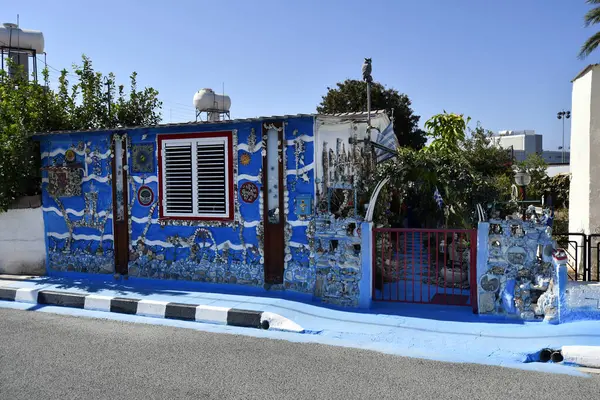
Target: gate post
[559,261]
[483,231]
[365,285]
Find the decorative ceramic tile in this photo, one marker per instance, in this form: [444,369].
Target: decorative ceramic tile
[64,182]
[303,204]
[145,196]
[245,158]
[249,192]
[143,160]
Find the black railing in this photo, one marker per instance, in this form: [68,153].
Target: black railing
[593,257]
[583,253]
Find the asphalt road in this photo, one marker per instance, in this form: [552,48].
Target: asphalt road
[48,356]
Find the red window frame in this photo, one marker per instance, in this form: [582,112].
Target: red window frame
[230,176]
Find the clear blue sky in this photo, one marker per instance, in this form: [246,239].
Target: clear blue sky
[505,63]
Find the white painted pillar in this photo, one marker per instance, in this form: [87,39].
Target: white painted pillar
[584,194]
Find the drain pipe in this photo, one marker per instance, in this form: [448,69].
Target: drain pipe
[545,355]
[557,357]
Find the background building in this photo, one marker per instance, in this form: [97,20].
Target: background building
[526,142]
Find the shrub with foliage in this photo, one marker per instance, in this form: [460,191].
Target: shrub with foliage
[27,107]
[466,169]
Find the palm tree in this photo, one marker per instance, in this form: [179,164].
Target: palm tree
[592,17]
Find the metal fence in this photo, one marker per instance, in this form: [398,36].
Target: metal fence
[435,266]
[583,253]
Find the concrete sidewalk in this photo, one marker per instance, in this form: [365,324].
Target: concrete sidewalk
[433,332]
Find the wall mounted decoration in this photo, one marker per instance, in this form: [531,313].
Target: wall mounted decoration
[249,192]
[145,196]
[252,141]
[303,204]
[245,158]
[70,156]
[96,162]
[299,149]
[142,158]
[64,181]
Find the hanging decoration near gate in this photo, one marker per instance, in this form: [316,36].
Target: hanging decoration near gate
[249,192]
[145,196]
[143,158]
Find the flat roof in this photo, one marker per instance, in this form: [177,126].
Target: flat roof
[362,115]
[584,71]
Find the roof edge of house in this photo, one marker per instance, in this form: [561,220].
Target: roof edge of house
[584,71]
[348,115]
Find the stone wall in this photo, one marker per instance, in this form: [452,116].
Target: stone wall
[338,260]
[22,241]
[514,267]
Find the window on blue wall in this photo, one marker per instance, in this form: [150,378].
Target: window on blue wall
[196,176]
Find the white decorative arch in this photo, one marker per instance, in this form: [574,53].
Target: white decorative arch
[373,200]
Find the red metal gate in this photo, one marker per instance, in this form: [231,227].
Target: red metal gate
[434,266]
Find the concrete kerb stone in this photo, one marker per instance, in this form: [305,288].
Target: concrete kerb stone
[584,356]
[153,308]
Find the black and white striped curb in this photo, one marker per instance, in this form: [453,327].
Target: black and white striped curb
[153,308]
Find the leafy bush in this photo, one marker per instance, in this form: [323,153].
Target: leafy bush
[27,107]
[467,170]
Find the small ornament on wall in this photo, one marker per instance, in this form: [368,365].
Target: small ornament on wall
[145,196]
[64,181]
[245,158]
[143,158]
[249,192]
[303,204]
[70,156]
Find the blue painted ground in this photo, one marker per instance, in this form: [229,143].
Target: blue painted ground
[442,333]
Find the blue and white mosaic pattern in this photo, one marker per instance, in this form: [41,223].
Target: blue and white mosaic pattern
[80,229]
[517,270]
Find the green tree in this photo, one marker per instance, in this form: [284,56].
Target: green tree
[592,17]
[27,107]
[466,169]
[537,168]
[447,131]
[351,96]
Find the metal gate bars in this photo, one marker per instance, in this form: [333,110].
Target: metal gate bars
[435,266]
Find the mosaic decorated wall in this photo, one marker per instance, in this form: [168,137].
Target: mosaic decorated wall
[337,232]
[299,199]
[322,231]
[224,252]
[514,268]
[77,203]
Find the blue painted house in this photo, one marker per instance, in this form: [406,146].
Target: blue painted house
[239,201]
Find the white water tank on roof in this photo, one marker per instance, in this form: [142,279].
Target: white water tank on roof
[14,37]
[208,100]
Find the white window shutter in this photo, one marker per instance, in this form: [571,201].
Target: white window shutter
[211,180]
[195,177]
[178,175]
